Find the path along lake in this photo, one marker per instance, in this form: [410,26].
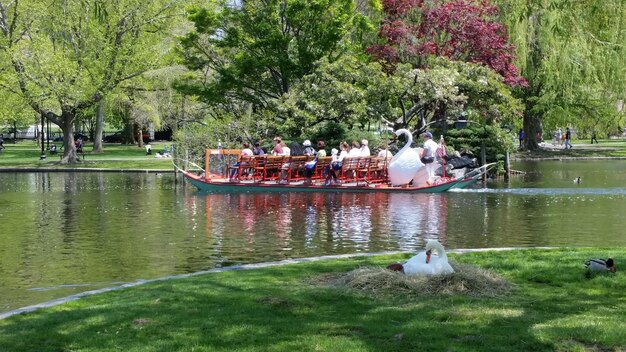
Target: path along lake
[66,232]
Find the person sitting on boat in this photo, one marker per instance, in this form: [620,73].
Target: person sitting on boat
[286,149]
[384,152]
[321,152]
[294,149]
[257,150]
[309,169]
[429,154]
[308,150]
[336,163]
[278,147]
[355,151]
[365,150]
[245,153]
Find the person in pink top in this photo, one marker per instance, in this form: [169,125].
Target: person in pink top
[278,149]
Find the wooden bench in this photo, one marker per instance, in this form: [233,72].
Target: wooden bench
[269,169]
[236,171]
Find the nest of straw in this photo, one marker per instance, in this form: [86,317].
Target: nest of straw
[380,282]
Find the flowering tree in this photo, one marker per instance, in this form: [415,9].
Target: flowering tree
[412,31]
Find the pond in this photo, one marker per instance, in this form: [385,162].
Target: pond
[64,232]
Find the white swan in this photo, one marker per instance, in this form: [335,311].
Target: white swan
[405,163]
[427,264]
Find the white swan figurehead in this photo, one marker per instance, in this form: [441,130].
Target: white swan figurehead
[405,163]
[426,263]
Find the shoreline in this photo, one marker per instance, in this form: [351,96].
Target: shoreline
[251,266]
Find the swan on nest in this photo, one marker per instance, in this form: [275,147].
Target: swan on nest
[405,163]
[426,263]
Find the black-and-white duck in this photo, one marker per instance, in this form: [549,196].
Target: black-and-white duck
[600,265]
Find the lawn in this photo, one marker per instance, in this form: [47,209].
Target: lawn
[25,154]
[552,306]
[612,148]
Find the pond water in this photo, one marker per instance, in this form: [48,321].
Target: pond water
[63,233]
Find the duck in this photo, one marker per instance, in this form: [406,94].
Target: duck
[403,166]
[600,265]
[425,263]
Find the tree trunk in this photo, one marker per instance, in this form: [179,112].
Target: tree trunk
[69,148]
[97,138]
[532,125]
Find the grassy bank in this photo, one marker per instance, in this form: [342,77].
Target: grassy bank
[552,305]
[25,154]
[607,148]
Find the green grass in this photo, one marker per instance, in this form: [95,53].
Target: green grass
[581,149]
[553,307]
[25,154]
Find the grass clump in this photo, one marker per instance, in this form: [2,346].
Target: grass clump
[379,282]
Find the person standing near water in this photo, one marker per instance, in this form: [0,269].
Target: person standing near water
[593,136]
[568,137]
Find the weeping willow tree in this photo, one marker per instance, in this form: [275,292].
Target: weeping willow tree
[573,55]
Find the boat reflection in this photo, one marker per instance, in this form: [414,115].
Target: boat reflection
[301,223]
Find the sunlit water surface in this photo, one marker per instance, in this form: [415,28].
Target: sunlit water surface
[63,233]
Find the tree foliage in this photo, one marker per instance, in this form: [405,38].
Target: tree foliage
[355,92]
[67,55]
[255,52]
[413,31]
[573,55]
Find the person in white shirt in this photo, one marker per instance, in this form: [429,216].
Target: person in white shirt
[355,151]
[365,150]
[336,164]
[429,154]
[286,150]
[384,153]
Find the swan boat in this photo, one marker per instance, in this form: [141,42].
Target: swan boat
[262,174]
[226,185]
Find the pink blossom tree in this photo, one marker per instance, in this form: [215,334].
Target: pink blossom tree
[412,31]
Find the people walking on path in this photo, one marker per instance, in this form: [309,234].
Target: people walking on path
[593,136]
[559,136]
[568,137]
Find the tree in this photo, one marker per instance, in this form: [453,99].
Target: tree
[413,31]
[351,91]
[573,55]
[245,57]
[64,67]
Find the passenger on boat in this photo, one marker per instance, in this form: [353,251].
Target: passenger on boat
[308,150]
[286,150]
[309,169]
[365,150]
[245,152]
[336,163]
[257,150]
[384,152]
[295,149]
[321,152]
[278,147]
[429,154]
[355,151]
